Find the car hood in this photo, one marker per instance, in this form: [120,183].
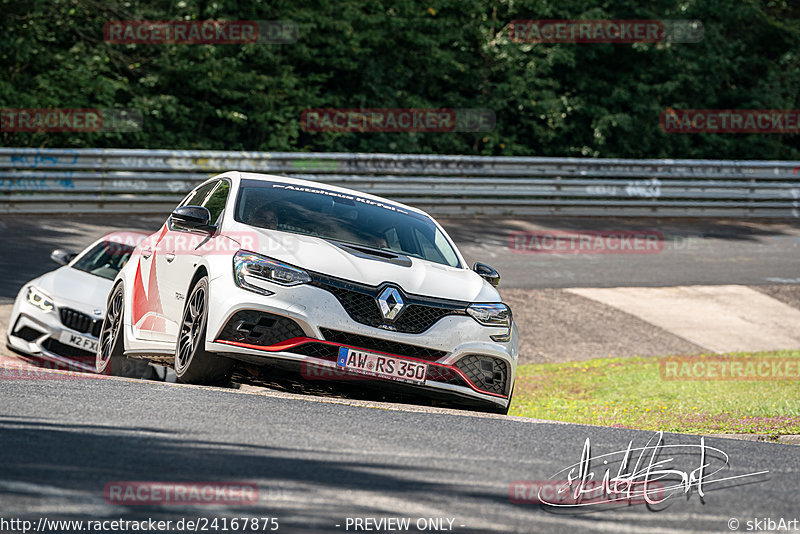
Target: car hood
[420,278]
[75,289]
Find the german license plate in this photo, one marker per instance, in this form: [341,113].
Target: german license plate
[381,366]
[79,341]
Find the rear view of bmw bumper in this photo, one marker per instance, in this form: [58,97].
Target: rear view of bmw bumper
[355,330]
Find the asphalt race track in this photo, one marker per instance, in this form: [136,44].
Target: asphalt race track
[317,462]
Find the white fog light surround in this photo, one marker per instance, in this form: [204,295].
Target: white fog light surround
[250,269]
[40,300]
[493,315]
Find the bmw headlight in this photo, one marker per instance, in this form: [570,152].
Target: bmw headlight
[40,300]
[493,315]
[250,270]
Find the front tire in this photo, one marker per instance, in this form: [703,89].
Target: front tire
[193,363]
[110,358]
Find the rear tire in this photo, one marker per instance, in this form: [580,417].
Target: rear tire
[110,358]
[193,363]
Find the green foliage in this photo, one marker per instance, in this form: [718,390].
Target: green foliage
[597,100]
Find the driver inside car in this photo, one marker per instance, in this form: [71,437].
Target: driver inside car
[264,217]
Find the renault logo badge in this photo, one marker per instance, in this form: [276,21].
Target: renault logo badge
[390,303]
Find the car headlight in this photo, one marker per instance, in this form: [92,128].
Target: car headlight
[250,269]
[493,315]
[40,300]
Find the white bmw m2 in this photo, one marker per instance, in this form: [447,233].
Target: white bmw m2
[262,269]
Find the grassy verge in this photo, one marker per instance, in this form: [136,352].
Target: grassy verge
[644,393]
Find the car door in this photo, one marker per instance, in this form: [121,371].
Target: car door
[182,255]
[146,310]
[171,248]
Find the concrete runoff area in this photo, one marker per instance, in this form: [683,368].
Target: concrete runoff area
[719,319]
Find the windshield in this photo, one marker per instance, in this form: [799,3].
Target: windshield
[344,218]
[105,259]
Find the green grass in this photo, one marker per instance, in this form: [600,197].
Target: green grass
[631,393]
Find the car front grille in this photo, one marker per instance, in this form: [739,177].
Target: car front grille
[486,372]
[80,322]
[260,328]
[360,303]
[382,345]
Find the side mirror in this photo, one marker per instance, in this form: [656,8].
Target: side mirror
[192,218]
[487,273]
[62,257]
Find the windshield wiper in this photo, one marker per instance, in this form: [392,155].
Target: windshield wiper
[373,253]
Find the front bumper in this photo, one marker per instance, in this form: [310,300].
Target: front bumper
[37,334]
[311,325]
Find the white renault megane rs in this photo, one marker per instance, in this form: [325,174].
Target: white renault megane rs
[263,269]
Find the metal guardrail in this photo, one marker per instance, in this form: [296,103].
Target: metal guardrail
[125,181]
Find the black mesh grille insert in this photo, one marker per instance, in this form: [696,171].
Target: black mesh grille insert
[443,374]
[382,345]
[259,328]
[359,301]
[487,373]
[80,322]
[417,318]
[28,334]
[323,351]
